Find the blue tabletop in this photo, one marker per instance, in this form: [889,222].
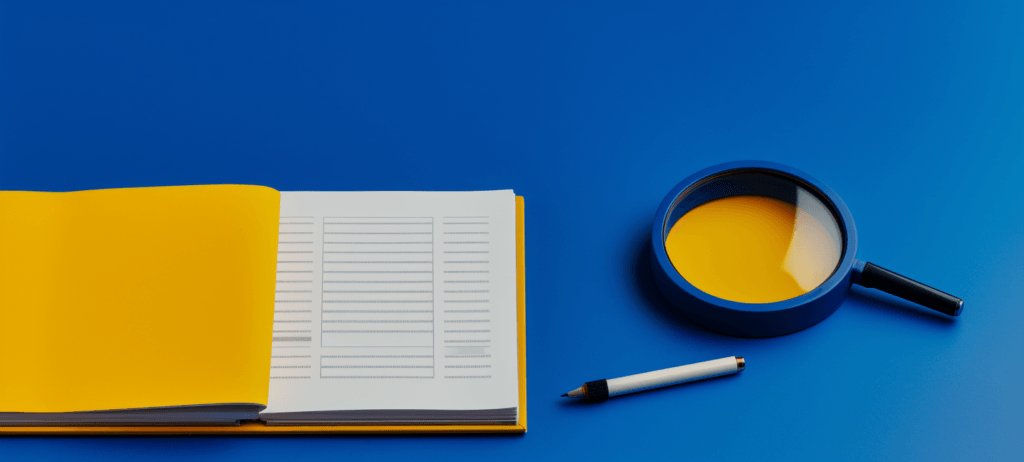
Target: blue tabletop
[913,112]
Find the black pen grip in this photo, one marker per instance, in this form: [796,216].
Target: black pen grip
[876,277]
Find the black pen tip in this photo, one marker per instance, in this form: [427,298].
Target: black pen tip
[565,395]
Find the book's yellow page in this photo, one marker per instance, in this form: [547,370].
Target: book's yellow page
[130,298]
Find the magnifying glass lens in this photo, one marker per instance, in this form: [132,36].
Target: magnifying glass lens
[753,237]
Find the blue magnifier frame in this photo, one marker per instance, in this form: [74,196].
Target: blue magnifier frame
[786,316]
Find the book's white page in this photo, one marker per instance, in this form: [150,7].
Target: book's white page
[395,300]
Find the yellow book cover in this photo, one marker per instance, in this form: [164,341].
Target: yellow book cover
[136,298]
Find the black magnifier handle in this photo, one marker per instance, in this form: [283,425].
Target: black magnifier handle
[876,277]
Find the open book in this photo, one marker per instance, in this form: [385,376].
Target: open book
[228,304]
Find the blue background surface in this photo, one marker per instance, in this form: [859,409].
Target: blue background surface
[912,111]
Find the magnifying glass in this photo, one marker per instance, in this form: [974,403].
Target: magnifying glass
[758,249]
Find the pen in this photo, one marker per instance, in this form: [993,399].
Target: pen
[600,390]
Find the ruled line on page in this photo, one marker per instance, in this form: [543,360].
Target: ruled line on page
[375,366]
[378,223]
[379,282]
[378,311]
[381,233]
[379,272]
[377,356]
[377,242]
[396,321]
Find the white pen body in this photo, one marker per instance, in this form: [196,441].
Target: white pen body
[672,376]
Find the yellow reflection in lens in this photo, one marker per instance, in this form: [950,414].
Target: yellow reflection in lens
[751,249]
